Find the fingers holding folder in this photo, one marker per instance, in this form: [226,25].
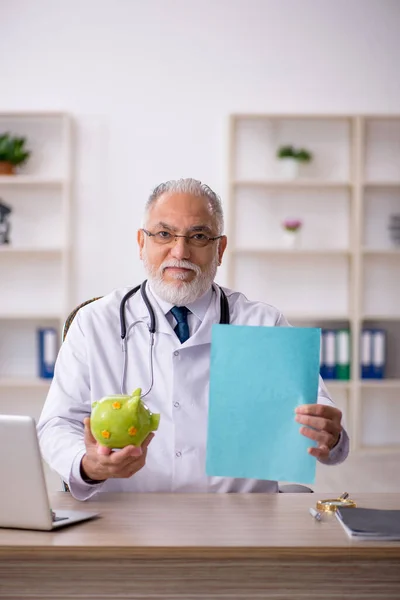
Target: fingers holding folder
[322,424]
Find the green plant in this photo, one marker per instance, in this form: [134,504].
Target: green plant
[286,152]
[12,149]
[302,155]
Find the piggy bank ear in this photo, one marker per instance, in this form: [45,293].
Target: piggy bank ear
[133,404]
[137,392]
[94,404]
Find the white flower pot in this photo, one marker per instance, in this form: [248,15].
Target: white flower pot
[289,168]
[291,239]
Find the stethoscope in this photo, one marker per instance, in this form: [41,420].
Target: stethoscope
[224,320]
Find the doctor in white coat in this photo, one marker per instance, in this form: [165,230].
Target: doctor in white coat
[181,245]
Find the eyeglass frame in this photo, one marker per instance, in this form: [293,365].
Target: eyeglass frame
[187,237]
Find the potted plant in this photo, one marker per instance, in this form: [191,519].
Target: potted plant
[291,232]
[12,153]
[291,158]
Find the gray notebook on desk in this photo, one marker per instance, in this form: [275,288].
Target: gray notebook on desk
[370,523]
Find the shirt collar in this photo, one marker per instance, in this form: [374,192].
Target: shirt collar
[199,307]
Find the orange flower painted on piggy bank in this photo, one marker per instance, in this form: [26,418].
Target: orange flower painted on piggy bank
[119,421]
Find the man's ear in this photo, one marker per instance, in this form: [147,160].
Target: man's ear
[140,241]
[221,248]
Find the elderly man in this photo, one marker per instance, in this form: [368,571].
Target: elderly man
[181,245]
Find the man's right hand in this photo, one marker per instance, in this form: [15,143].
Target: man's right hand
[100,463]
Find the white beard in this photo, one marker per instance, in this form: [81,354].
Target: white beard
[182,292]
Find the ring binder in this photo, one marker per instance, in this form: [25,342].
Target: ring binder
[47,341]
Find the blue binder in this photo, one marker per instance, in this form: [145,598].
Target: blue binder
[47,343]
[366,354]
[329,353]
[321,356]
[378,362]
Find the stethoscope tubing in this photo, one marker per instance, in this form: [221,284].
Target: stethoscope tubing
[224,320]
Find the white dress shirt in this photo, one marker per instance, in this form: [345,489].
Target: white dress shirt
[197,309]
[90,364]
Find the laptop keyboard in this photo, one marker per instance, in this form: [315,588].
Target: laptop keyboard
[54,517]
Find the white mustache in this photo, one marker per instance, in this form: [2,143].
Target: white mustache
[180,264]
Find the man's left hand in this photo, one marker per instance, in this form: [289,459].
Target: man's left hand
[322,424]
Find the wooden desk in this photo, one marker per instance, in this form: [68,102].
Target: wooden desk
[199,546]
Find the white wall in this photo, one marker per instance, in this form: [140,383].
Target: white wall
[150,84]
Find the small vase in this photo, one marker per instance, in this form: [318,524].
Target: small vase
[6,168]
[291,239]
[289,168]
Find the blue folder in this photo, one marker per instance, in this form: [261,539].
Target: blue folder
[258,375]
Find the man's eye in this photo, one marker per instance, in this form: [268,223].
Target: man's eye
[201,237]
[164,235]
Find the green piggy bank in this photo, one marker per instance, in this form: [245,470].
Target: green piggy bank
[119,421]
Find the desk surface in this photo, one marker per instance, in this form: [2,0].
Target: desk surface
[201,525]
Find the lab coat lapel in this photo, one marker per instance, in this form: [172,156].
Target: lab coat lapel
[212,317]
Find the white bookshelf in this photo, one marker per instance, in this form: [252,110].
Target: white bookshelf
[31,250]
[346,272]
[286,251]
[35,266]
[381,384]
[301,184]
[24,382]
[29,180]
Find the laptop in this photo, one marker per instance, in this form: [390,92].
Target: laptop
[24,502]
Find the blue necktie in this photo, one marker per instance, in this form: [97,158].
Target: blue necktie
[182,328]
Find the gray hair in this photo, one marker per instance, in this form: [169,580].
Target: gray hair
[193,187]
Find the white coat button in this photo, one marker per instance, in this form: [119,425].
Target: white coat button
[176,404]
[176,353]
[178,454]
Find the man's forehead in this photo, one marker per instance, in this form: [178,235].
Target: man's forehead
[181,199]
[182,206]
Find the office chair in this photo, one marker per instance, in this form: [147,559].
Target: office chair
[66,327]
[291,488]
[72,315]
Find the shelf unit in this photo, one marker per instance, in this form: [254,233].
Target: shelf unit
[30,250]
[301,184]
[24,382]
[35,266]
[346,273]
[29,180]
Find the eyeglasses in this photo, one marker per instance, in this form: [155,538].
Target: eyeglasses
[198,240]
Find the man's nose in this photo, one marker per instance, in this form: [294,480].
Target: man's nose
[180,248]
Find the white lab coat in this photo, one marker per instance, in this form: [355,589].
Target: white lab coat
[89,366]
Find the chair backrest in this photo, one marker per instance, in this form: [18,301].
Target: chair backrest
[72,315]
[67,325]
[295,488]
